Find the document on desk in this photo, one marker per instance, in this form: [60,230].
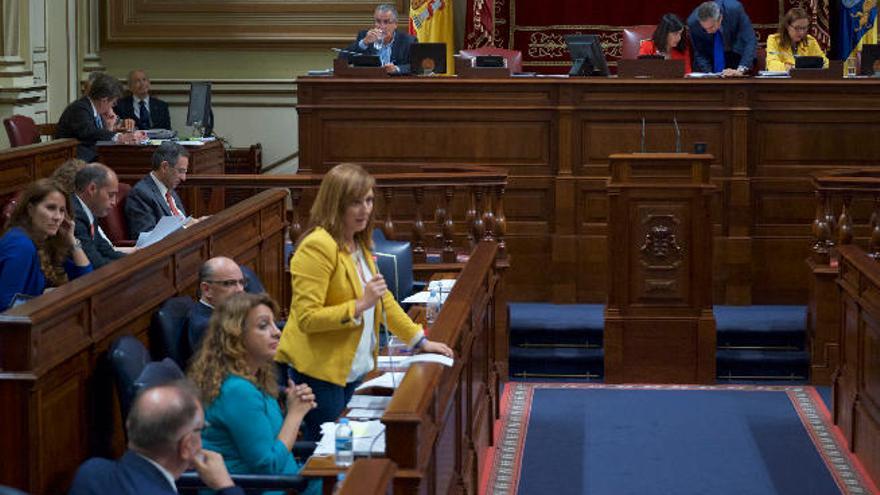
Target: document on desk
[387,380]
[703,75]
[365,413]
[376,402]
[166,226]
[422,297]
[368,438]
[403,362]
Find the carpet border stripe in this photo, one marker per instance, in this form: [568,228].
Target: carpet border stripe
[845,468]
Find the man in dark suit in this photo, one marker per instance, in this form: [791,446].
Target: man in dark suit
[84,119]
[153,196]
[391,46]
[96,189]
[164,440]
[723,38]
[219,278]
[147,111]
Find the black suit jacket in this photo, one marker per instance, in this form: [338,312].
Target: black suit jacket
[159,116]
[144,207]
[130,475]
[99,251]
[197,323]
[78,122]
[399,49]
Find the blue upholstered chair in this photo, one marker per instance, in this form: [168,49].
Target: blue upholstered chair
[395,263]
[168,330]
[253,284]
[133,370]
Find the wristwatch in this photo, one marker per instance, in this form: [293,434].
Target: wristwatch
[77,244]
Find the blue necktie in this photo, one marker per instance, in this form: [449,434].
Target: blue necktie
[144,120]
[98,122]
[718,54]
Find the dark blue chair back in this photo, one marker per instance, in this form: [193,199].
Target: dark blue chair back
[394,261]
[252,284]
[168,330]
[128,358]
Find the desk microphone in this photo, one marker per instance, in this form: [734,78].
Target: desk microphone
[643,134]
[677,134]
[346,52]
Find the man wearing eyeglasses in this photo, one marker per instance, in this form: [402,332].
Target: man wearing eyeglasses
[384,41]
[219,278]
[723,38]
[164,440]
[154,197]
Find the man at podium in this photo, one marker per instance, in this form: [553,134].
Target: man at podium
[384,41]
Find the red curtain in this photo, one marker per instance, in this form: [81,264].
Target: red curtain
[537,27]
[481,24]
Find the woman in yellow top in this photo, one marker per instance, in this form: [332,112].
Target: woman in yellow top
[339,298]
[792,39]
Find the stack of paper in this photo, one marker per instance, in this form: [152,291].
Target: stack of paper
[376,402]
[387,380]
[166,226]
[369,438]
[403,362]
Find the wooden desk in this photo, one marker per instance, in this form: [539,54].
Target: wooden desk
[368,477]
[554,136]
[25,164]
[56,395]
[210,158]
[438,424]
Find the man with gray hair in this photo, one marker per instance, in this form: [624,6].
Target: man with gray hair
[384,41]
[96,188]
[723,38]
[164,440]
[153,196]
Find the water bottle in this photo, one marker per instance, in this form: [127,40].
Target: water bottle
[344,444]
[432,310]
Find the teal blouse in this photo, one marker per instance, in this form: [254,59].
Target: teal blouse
[244,425]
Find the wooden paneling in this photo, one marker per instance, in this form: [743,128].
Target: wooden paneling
[56,397]
[551,134]
[22,165]
[236,23]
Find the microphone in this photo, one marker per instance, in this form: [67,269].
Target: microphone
[677,134]
[388,336]
[373,442]
[643,134]
[345,52]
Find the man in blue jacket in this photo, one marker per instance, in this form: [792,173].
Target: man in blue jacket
[723,38]
[164,440]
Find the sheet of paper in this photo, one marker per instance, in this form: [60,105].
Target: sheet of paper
[368,435]
[365,413]
[422,297]
[190,142]
[444,285]
[360,401]
[166,226]
[392,362]
[430,358]
[387,380]
[703,75]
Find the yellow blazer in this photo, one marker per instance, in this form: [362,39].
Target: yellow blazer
[321,335]
[778,57]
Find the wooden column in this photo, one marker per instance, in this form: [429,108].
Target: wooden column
[659,326]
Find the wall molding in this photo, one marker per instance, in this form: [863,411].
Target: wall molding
[230,92]
[227,24]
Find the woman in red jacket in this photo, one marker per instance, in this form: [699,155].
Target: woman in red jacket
[669,40]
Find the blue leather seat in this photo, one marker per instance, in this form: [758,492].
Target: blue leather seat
[395,263]
[133,370]
[168,330]
[253,284]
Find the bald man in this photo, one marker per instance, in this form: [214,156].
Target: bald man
[147,111]
[164,440]
[219,278]
[96,189]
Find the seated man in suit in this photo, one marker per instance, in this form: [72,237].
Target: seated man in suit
[390,45]
[147,111]
[164,440]
[153,196]
[723,38]
[219,278]
[84,119]
[96,189]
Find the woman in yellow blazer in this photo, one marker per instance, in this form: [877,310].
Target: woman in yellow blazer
[791,39]
[339,298]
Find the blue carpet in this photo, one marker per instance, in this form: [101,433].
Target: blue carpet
[616,442]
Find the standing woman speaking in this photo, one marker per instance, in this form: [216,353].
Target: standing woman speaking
[331,337]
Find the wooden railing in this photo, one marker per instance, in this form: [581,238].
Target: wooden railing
[432,206]
[844,198]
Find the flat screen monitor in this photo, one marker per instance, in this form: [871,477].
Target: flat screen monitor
[365,60]
[808,62]
[427,58]
[199,110]
[587,58]
[870,60]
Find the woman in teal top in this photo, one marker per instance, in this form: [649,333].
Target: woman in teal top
[235,371]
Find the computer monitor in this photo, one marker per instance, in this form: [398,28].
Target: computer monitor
[427,58]
[870,60]
[199,111]
[587,58]
[808,62]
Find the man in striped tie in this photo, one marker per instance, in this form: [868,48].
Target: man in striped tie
[153,196]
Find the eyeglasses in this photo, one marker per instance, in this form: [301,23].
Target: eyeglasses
[228,283]
[181,171]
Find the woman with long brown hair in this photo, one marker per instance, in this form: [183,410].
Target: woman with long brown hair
[38,249]
[235,371]
[792,41]
[331,337]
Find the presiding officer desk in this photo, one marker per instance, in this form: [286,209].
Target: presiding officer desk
[554,137]
[56,394]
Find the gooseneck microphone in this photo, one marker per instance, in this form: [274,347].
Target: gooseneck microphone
[643,134]
[677,134]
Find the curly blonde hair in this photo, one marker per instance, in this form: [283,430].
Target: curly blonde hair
[222,352]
